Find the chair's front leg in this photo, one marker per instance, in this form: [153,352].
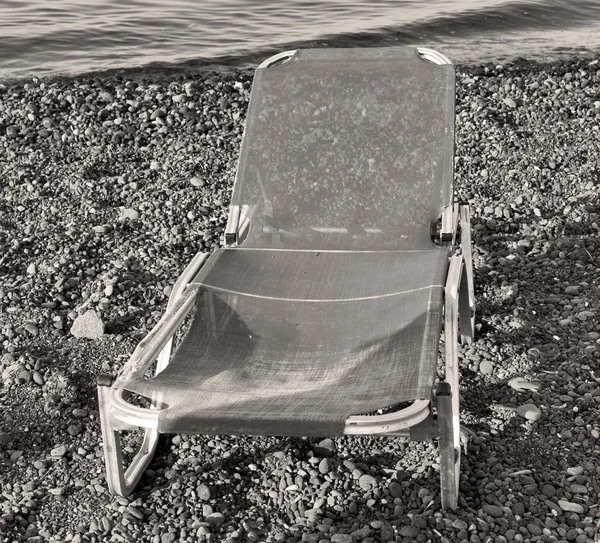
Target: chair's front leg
[121,481]
[156,344]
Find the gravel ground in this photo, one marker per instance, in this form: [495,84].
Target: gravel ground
[110,185]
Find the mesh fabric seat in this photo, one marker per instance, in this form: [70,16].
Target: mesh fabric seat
[267,352]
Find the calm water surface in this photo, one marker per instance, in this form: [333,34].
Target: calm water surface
[41,37]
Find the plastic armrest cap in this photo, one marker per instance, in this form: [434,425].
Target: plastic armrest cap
[105,380]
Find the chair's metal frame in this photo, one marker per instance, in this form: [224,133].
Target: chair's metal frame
[414,422]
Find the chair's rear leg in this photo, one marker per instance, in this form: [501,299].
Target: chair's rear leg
[466,320]
[120,481]
[449,454]
[448,399]
[467,291]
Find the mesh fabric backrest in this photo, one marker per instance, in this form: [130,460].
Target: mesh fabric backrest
[355,142]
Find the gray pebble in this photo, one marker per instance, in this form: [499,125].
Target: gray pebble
[31,328]
[215,519]
[325,465]
[204,492]
[342,538]
[395,490]
[325,448]
[548,490]
[409,531]
[571,506]
[106,96]
[59,452]
[460,524]
[529,411]
[486,367]
[12,131]
[492,510]
[367,482]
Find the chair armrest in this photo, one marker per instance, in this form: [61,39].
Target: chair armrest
[188,274]
[151,346]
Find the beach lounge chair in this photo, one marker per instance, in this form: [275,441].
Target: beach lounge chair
[342,258]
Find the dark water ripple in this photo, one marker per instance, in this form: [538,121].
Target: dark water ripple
[74,36]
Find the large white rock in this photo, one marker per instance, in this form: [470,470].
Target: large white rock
[89,325]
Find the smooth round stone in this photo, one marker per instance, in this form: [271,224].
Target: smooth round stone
[520,384]
[215,519]
[460,524]
[31,328]
[38,378]
[548,490]
[325,465]
[529,411]
[59,452]
[486,367]
[204,492]
[409,531]
[342,538]
[395,489]
[367,482]
[106,96]
[493,510]
[571,507]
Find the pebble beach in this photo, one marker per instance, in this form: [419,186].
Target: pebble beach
[111,183]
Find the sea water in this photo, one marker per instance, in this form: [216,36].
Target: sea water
[39,38]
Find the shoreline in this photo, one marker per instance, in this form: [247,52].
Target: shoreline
[111,183]
[159,72]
